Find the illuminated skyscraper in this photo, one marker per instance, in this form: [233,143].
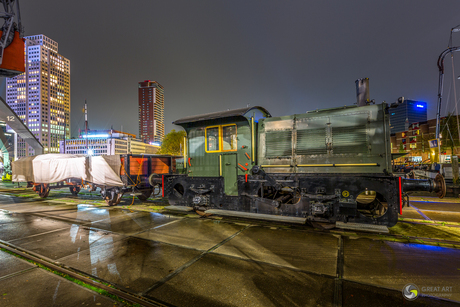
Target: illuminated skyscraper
[41,95]
[151,111]
[410,111]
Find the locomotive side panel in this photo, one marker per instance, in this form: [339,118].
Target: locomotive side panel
[341,140]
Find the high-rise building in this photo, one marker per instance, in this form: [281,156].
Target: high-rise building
[151,112]
[410,111]
[41,95]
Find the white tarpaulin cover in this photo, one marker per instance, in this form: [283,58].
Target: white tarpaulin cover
[51,168]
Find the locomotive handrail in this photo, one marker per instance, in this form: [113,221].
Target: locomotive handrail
[324,165]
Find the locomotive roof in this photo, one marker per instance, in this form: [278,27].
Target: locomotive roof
[218,115]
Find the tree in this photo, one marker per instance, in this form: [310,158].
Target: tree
[172,143]
[449,132]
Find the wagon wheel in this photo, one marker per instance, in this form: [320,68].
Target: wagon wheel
[112,199]
[44,190]
[75,190]
[145,194]
[156,188]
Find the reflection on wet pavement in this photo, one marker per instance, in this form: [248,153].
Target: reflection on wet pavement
[300,251]
[222,281]
[126,222]
[393,265]
[192,233]
[132,263]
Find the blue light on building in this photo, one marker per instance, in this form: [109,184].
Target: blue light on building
[409,112]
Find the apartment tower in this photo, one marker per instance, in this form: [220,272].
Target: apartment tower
[41,96]
[151,112]
[407,113]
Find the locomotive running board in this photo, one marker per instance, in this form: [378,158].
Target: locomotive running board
[362,227]
[178,208]
[258,216]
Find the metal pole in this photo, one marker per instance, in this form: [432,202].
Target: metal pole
[86,126]
[15,146]
[440,88]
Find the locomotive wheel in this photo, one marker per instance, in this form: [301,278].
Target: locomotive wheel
[74,190]
[44,190]
[145,194]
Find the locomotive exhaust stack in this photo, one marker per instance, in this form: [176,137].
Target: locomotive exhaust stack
[362,92]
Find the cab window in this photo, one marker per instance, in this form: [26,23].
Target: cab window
[229,137]
[221,138]
[212,139]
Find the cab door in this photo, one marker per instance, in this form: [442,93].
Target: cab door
[230,173]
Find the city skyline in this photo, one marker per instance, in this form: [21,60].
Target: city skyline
[212,56]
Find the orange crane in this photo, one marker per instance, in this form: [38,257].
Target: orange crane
[12,61]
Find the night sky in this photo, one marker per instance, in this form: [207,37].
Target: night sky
[287,56]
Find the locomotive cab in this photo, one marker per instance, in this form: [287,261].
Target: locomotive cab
[220,147]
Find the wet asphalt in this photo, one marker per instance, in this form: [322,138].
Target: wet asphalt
[182,260]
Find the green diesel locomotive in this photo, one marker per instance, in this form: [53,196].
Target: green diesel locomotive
[330,166]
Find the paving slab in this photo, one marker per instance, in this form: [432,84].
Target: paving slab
[41,288]
[13,231]
[440,206]
[84,213]
[442,216]
[193,233]
[35,207]
[133,263]
[65,242]
[393,265]
[10,264]
[411,213]
[313,252]
[133,223]
[13,217]
[217,280]
[359,295]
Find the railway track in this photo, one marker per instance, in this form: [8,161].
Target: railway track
[110,290]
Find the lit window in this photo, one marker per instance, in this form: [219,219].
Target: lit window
[221,138]
[229,137]
[212,139]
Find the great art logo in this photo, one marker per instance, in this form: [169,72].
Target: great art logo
[410,292]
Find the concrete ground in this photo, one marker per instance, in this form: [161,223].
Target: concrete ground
[24,284]
[183,260]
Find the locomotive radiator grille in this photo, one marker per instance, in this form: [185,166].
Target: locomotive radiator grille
[346,140]
[311,142]
[278,144]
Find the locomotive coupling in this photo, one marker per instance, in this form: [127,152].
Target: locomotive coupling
[437,185]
